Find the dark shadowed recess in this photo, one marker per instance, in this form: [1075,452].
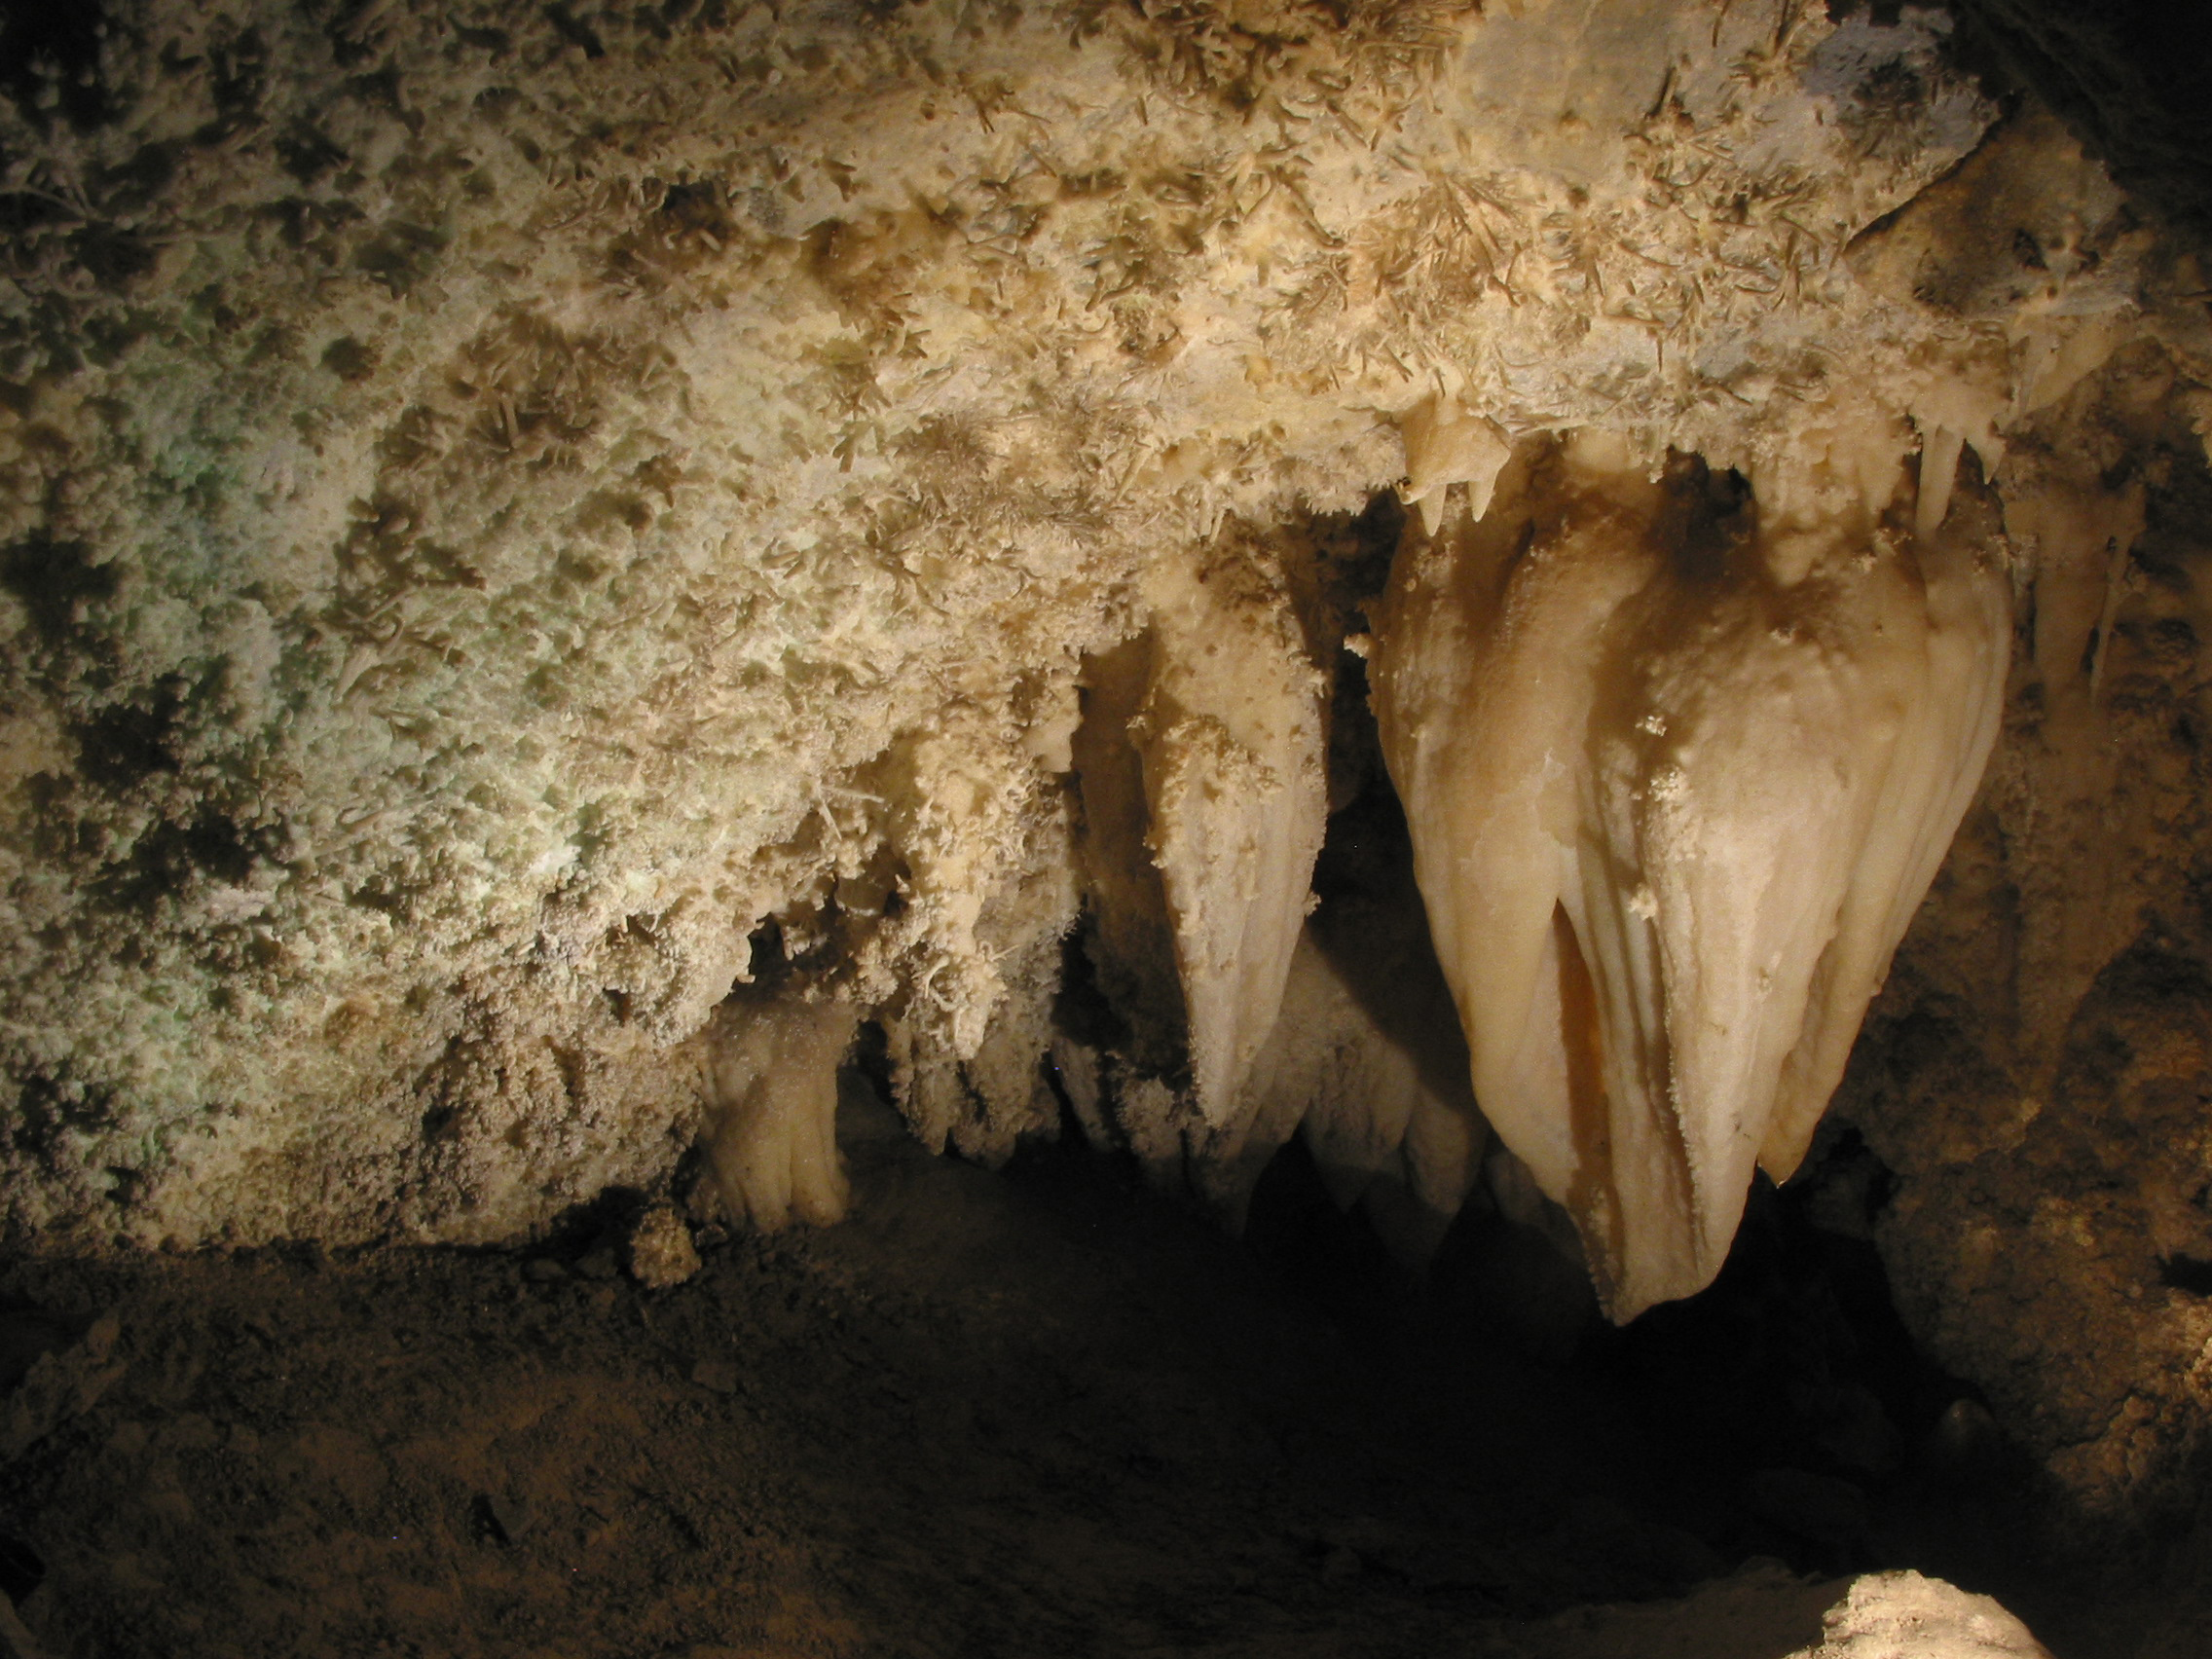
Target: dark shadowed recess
[1784,1413]
[50,60]
[2131,78]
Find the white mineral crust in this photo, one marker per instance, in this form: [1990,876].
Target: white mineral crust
[526,519]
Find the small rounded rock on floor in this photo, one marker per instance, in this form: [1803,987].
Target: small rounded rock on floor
[1764,1609]
[661,1251]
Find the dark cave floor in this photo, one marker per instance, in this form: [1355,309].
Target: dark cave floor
[1035,1412]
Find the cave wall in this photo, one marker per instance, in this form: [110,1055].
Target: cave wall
[2034,1073]
[514,521]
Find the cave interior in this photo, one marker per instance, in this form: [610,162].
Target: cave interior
[1105,828]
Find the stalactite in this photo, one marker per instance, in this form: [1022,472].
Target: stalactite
[1369,1068]
[1204,795]
[1676,777]
[1231,737]
[771,1124]
[1447,444]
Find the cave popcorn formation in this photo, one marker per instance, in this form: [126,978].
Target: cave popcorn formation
[1677,783]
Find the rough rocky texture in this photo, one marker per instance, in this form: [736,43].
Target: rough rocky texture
[2034,1073]
[499,505]
[1904,1612]
[514,520]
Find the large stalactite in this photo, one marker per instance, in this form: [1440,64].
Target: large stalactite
[1678,782]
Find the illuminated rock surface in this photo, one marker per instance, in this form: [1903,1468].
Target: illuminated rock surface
[1759,1614]
[1677,783]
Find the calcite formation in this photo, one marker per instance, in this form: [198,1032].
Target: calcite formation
[560,562]
[1678,782]
[1876,1615]
[770,1127]
[1894,1613]
[1204,796]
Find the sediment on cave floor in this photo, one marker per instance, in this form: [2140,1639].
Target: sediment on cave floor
[1037,1410]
